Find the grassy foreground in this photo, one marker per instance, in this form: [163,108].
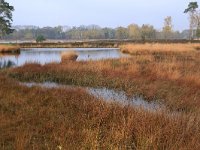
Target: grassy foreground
[9,49]
[38,118]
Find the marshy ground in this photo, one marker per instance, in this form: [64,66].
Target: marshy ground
[42,118]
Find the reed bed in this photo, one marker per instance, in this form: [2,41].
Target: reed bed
[9,49]
[39,118]
[157,47]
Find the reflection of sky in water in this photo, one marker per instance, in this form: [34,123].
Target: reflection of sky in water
[120,96]
[108,95]
[48,55]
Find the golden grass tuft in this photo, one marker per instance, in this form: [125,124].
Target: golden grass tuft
[69,56]
[9,49]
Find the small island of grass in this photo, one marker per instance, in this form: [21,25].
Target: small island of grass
[9,49]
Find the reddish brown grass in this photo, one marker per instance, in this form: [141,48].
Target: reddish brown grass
[37,118]
[9,49]
[48,118]
[176,84]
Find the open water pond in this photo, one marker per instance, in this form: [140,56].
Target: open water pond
[49,55]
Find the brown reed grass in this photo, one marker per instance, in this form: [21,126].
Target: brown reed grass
[157,47]
[9,49]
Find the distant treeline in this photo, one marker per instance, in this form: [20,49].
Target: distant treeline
[99,43]
[133,32]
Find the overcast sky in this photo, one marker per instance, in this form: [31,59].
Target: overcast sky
[110,13]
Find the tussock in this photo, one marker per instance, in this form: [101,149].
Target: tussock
[69,56]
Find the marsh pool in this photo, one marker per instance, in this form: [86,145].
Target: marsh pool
[49,55]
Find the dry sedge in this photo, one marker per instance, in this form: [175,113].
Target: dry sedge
[156,47]
[39,118]
[9,49]
[69,56]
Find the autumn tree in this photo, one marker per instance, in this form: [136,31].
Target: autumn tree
[5,18]
[121,33]
[168,27]
[134,32]
[148,32]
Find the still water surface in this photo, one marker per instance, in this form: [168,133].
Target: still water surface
[48,55]
[106,94]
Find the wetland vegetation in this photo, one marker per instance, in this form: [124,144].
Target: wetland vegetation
[132,87]
[39,117]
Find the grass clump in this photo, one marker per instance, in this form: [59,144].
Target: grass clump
[9,49]
[68,56]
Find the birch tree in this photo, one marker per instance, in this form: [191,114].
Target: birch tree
[192,11]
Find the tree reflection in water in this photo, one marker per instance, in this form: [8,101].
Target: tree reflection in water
[6,64]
